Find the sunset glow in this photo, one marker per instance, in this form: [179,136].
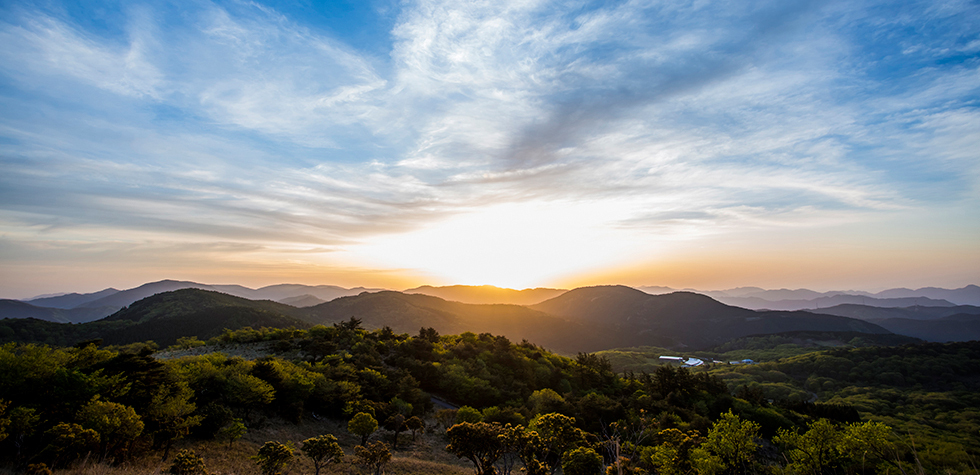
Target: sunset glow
[521,144]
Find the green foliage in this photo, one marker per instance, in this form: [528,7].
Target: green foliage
[186,342]
[4,419]
[814,452]
[186,462]
[67,442]
[115,423]
[169,413]
[657,419]
[468,414]
[546,400]
[416,425]
[322,450]
[272,457]
[733,441]
[557,434]
[363,425]
[235,430]
[374,455]
[480,442]
[582,461]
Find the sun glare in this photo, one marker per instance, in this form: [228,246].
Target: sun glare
[511,245]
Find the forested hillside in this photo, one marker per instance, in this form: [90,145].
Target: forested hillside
[520,406]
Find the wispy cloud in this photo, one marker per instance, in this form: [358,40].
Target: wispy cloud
[243,124]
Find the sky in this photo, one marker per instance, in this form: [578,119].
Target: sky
[692,144]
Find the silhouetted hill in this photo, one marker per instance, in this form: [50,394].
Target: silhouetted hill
[820,303]
[683,319]
[115,299]
[953,328]
[18,309]
[302,301]
[487,294]
[916,312]
[125,297]
[325,293]
[804,299]
[163,318]
[969,295]
[71,300]
[183,302]
[407,313]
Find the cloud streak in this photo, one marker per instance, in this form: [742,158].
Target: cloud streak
[239,123]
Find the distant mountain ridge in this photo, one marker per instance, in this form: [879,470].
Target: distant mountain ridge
[163,318]
[581,320]
[683,319]
[18,309]
[105,302]
[937,324]
[71,300]
[487,294]
[408,313]
[757,298]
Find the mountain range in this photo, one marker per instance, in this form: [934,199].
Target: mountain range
[487,294]
[581,320]
[939,324]
[757,298]
[111,300]
[684,319]
[584,319]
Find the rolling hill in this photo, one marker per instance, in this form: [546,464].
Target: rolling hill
[163,318]
[915,312]
[71,300]
[683,319]
[819,303]
[407,313]
[581,320]
[18,309]
[487,294]
[953,328]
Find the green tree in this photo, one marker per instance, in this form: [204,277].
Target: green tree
[272,457]
[375,455]
[869,441]
[673,455]
[396,424]
[416,425]
[233,431]
[480,442]
[186,462]
[248,392]
[115,423]
[4,419]
[23,423]
[527,446]
[170,414]
[546,400]
[581,461]
[733,441]
[814,452]
[468,414]
[68,441]
[322,450]
[558,435]
[362,424]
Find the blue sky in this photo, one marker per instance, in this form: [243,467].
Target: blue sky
[525,143]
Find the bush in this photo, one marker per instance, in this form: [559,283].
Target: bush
[186,462]
[272,457]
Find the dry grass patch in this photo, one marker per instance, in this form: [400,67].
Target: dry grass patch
[425,455]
